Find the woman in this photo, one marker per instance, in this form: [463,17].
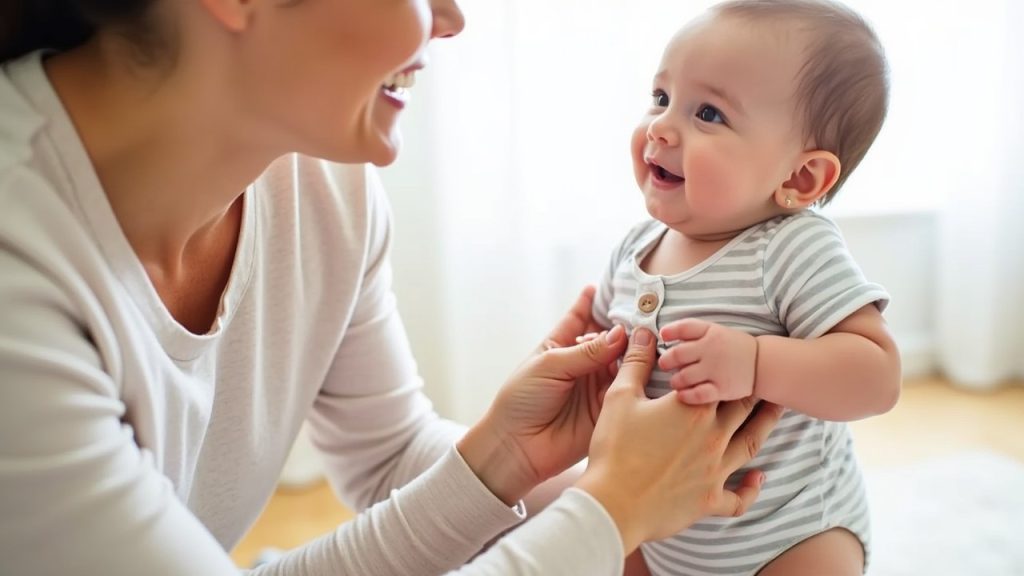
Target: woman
[179,293]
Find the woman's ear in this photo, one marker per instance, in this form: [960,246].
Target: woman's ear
[234,15]
[816,174]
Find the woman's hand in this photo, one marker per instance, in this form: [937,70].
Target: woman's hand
[543,417]
[658,466]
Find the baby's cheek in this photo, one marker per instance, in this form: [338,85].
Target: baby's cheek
[713,175]
[637,143]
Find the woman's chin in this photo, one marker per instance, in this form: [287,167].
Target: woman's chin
[380,151]
[387,152]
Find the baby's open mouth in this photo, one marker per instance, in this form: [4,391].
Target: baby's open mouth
[664,175]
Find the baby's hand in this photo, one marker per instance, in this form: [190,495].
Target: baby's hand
[714,363]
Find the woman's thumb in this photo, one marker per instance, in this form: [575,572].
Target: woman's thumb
[586,357]
[638,361]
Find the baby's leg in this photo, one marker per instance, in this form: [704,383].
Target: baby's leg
[836,552]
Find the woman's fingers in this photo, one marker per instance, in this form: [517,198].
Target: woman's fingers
[637,362]
[736,502]
[747,441]
[585,358]
[733,414]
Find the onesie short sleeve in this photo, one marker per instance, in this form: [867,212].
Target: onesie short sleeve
[811,281]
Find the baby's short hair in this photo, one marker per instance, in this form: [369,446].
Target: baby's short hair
[843,89]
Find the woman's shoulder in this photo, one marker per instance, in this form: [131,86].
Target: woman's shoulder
[20,122]
[35,192]
[38,223]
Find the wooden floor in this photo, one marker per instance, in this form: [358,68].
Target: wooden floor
[930,420]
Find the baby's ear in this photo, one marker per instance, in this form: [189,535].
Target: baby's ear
[816,174]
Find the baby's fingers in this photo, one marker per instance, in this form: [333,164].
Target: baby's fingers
[705,393]
[686,329]
[690,376]
[682,354]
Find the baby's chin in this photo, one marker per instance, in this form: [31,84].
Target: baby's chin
[662,212]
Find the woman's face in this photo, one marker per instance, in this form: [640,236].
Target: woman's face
[329,78]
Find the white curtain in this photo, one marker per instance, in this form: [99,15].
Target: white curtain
[516,180]
[981,285]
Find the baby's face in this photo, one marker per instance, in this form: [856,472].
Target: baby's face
[722,133]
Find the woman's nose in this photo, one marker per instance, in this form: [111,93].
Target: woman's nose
[662,131]
[448,18]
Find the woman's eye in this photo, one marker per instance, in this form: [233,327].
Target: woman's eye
[659,99]
[708,113]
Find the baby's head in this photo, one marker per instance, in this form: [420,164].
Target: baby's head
[759,108]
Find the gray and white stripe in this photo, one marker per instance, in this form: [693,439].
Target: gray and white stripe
[793,276]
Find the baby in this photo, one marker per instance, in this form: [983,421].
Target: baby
[760,111]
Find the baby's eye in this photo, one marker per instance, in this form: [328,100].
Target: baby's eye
[659,99]
[708,113]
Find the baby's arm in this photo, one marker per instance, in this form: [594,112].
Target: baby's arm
[851,372]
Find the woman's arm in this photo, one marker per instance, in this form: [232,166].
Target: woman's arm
[77,495]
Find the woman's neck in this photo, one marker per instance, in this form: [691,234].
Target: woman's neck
[164,144]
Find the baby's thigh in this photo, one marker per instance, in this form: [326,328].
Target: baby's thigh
[834,552]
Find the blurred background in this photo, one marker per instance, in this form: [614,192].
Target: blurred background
[515,182]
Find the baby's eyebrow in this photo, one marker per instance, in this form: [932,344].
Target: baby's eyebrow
[719,92]
[734,103]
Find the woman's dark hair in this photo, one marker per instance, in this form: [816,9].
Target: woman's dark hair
[28,25]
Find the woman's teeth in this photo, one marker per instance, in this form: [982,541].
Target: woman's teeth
[401,80]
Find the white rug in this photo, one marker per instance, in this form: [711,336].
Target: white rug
[961,515]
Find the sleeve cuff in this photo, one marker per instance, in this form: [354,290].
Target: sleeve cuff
[573,536]
[465,481]
[454,501]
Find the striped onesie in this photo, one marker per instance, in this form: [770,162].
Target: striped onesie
[790,275]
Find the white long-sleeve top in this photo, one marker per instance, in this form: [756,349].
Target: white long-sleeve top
[129,445]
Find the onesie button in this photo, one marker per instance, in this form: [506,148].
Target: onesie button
[647,302]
